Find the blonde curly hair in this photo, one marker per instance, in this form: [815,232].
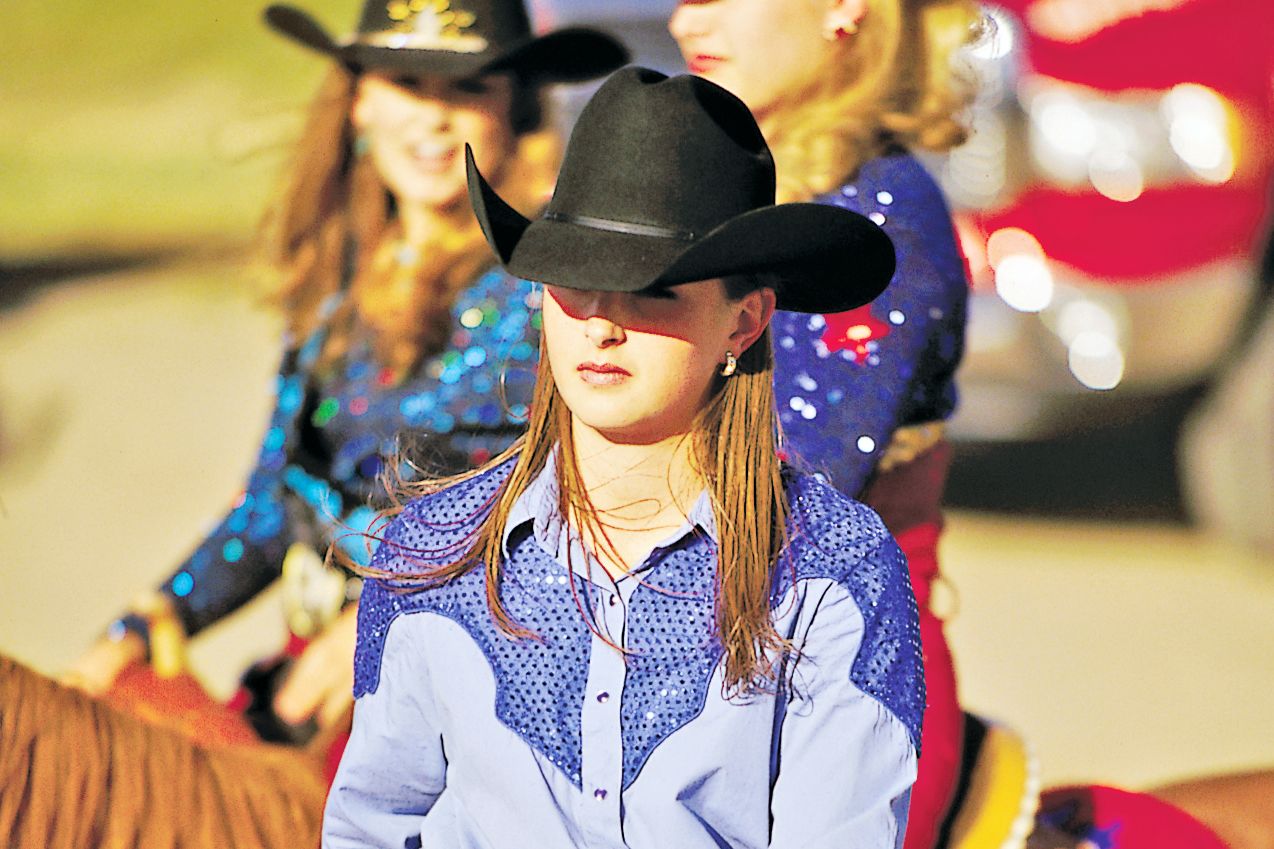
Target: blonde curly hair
[894,83]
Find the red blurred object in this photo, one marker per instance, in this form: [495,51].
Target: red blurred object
[854,331]
[1109,818]
[332,757]
[180,703]
[1223,44]
[1163,232]
[1132,46]
[907,497]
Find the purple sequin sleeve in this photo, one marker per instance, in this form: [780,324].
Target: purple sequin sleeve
[846,381]
[240,556]
[318,473]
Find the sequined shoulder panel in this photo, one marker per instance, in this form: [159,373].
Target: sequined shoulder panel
[844,541]
[539,682]
[431,530]
[671,632]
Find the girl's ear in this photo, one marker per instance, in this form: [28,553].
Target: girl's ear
[756,310]
[843,16]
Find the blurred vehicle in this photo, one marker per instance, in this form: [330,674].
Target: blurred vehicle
[1115,192]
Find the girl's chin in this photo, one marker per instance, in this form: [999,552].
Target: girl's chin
[609,427]
[431,197]
[628,432]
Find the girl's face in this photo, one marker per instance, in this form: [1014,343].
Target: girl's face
[638,367]
[760,50]
[416,129]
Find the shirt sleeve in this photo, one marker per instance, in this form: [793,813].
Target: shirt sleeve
[244,551]
[394,768]
[846,762]
[846,381]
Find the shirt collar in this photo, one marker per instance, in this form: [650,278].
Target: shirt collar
[538,506]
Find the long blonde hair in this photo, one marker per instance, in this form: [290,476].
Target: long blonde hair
[334,217]
[735,451]
[891,84]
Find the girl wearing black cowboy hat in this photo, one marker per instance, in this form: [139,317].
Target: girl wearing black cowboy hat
[396,318]
[636,627]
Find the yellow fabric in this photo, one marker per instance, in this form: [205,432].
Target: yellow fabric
[1003,795]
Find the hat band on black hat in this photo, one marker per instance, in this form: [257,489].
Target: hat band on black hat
[626,227]
[454,43]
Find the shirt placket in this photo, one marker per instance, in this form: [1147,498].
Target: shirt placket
[598,808]
[601,771]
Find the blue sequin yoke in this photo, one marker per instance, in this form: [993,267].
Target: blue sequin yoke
[673,650]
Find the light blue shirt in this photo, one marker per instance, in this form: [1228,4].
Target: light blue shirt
[465,738]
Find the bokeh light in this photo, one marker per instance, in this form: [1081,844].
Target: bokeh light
[1198,131]
[1116,175]
[1024,282]
[1096,360]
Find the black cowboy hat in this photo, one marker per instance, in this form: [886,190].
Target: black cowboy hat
[667,181]
[456,39]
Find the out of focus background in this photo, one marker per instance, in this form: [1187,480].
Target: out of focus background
[1110,551]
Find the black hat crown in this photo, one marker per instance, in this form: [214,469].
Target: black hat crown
[456,38]
[668,181]
[697,157]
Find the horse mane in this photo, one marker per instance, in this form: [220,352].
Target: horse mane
[76,773]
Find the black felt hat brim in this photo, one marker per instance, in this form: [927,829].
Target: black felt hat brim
[828,259]
[567,55]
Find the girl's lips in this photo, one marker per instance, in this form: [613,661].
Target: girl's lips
[602,374]
[433,158]
[702,63]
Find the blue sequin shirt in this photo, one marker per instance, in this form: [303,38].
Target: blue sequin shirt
[466,738]
[316,477]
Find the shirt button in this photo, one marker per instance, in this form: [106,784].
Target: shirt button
[612,600]
[599,794]
[603,698]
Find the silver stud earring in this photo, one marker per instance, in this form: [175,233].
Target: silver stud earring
[731,364]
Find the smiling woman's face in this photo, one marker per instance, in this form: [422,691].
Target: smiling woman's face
[416,129]
[638,367]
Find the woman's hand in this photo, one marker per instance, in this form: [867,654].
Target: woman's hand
[321,683]
[96,670]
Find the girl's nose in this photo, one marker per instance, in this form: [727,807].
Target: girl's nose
[432,114]
[602,331]
[688,21]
